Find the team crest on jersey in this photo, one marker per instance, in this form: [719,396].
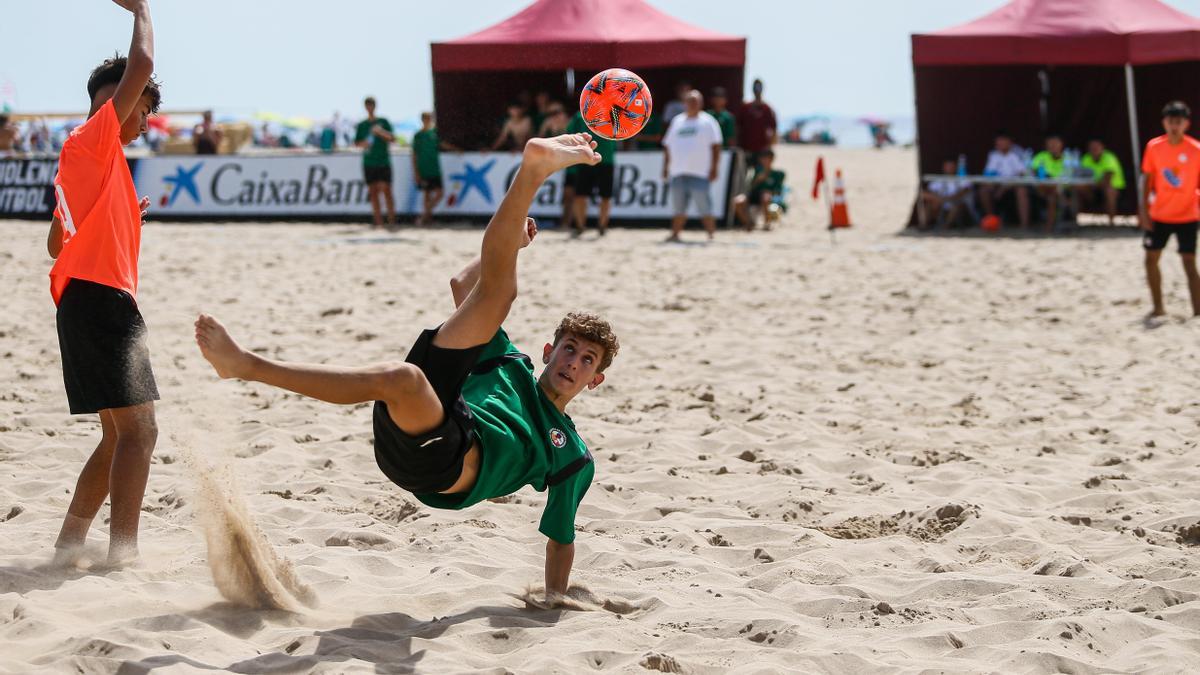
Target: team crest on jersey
[557,438]
[1183,158]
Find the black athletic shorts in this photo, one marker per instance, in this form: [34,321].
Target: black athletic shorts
[596,179]
[1185,234]
[377,174]
[433,461]
[427,184]
[102,337]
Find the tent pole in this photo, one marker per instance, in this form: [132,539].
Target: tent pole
[1131,98]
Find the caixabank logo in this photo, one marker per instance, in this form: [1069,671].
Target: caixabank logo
[258,185]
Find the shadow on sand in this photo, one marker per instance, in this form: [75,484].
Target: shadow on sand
[384,640]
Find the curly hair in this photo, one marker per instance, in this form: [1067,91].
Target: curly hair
[111,71]
[593,329]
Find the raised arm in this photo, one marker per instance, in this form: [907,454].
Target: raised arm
[141,60]
[559,558]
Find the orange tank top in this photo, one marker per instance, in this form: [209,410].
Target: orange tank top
[98,207]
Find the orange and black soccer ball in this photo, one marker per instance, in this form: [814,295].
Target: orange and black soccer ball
[615,104]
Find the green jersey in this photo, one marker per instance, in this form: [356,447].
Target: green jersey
[1051,165]
[377,151]
[425,149]
[653,131]
[1108,163]
[523,440]
[606,148]
[773,182]
[728,124]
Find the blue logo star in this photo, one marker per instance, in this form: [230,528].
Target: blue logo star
[185,180]
[472,177]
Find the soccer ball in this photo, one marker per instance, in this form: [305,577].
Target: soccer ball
[615,104]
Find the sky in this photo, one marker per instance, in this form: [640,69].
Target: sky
[312,57]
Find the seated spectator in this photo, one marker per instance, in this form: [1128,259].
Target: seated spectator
[944,199]
[555,123]
[540,110]
[766,188]
[1108,174]
[10,136]
[517,129]
[1049,164]
[1007,160]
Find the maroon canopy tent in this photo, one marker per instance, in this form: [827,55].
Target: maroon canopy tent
[551,42]
[1081,68]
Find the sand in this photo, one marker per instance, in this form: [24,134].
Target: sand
[892,454]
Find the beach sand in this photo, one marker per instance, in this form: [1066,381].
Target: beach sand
[892,454]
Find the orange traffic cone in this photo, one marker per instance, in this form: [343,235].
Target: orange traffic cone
[839,214]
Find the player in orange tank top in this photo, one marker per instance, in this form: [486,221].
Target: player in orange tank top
[1171,202]
[95,237]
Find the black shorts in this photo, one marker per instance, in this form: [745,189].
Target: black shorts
[433,461]
[102,337]
[591,180]
[377,174]
[427,184]
[1185,234]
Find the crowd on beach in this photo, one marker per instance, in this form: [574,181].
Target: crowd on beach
[690,136]
[691,128]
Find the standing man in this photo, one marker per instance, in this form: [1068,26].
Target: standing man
[724,118]
[593,179]
[1171,169]
[756,124]
[96,237]
[691,152]
[427,166]
[207,136]
[374,134]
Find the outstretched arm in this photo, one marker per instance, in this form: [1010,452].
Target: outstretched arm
[559,558]
[462,283]
[141,60]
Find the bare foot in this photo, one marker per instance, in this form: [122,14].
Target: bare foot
[67,556]
[547,155]
[226,357]
[121,554]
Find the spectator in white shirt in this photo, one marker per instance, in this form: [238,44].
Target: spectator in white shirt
[691,154]
[944,199]
[1006,161]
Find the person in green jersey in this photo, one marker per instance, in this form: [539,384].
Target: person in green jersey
[374,134]
[593,180]
[765,187]
[427,166]
[1049,163]
[464,419]
[1108,174]
[724,118]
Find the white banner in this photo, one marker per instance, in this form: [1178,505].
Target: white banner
[298,186]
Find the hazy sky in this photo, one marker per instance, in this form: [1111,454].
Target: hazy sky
[311,57]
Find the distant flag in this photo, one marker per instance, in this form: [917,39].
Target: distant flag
[819,177]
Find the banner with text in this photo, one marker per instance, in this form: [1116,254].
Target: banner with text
[330,186]
[27,188]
